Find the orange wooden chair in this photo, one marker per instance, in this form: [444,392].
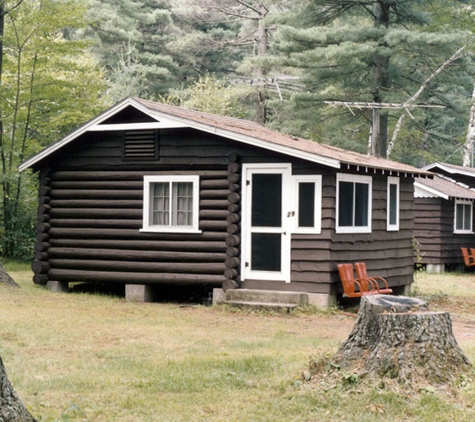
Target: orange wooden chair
[468,258]
[379,283]
[351,286]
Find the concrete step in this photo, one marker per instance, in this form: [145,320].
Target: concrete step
[261,305]
[267,296]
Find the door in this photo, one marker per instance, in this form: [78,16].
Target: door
[266,222]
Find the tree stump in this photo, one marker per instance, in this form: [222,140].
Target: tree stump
[5,278]
[397,337]
[11,407]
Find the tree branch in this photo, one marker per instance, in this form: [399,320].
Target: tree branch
[249,6]
[421,89]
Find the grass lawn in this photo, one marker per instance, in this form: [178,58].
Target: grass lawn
[83,357]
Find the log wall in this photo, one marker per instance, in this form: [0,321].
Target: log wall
[94,234]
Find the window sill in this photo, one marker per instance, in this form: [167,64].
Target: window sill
[307,231]
[170,230]
[463,232]
[349,230]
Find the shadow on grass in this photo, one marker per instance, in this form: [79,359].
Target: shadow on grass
[183,295]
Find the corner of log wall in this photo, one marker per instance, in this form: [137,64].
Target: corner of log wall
[233,239]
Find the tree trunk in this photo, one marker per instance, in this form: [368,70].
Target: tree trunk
[11,407]
[6,279]
[381,83]
[397,337]
[468,146]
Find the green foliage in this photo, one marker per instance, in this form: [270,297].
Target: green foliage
[49,85]
[131,40]
[337,46]
[213,95]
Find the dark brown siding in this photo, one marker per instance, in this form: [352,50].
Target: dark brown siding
[387,253]
[434,232]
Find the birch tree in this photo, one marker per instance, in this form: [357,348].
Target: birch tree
[470,138]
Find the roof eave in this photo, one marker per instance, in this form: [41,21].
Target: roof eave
[30,162]
[431,191]
[94,125]
[449,169]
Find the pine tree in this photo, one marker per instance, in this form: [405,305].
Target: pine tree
[241,31]
[376,51]
[132,41]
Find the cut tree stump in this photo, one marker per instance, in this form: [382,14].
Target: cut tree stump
[11,407]
[5,278]
[397,337]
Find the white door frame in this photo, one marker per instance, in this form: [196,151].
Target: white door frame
[285,169]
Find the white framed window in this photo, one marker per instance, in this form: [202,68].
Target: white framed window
[353,203]
[308,215]
[171,204]
[393,204]
[463,216]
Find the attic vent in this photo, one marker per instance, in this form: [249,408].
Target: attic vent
[141,145]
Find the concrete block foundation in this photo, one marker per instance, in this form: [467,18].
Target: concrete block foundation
[57,286]
[138,293]
[435,268]
[219,296]
[322,300]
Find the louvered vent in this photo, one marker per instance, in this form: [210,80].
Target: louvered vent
[141,145]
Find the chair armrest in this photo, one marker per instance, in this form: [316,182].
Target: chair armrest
[372,284]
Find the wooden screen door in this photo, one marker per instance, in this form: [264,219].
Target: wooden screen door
[265,228]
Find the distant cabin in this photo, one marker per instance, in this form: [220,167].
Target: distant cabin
[148,195]
[443,216]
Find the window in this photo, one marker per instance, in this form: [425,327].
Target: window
[393,204]
[353,203]
[171,203]
[463,216]
[308,203]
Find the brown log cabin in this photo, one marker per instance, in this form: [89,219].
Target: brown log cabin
[148,194]
[443,217]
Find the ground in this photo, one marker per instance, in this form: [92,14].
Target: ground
[97,355]
[433,288]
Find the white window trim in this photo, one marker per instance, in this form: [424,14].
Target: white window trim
[389,226]
[317,180]
[147,227]
[463,202]
[344,177]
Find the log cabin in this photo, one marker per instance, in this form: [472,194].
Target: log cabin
[443,217]
[149,194]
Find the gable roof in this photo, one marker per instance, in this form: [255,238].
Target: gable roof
[451,169]
[247,132]
[442,187]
